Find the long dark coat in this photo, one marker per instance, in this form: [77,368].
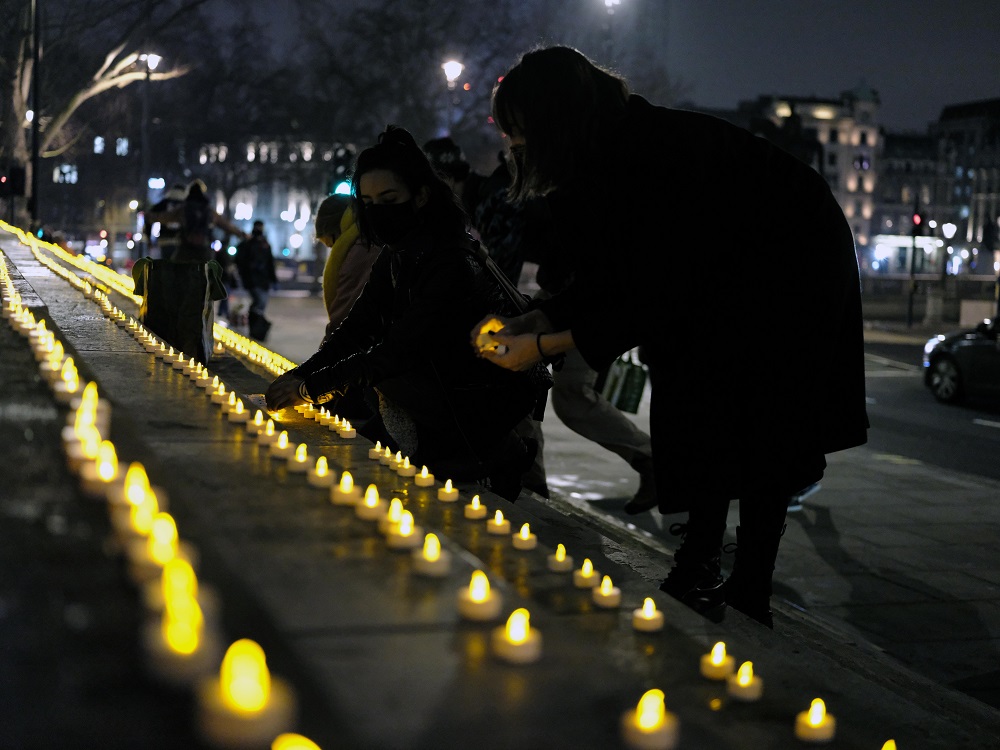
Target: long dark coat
[732,264]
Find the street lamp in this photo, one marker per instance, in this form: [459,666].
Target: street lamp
[452,70]
[151,61]
[948,229]
[610,39]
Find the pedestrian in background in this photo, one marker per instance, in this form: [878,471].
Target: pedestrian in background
[169,237]
[405,335]
[757,373]
[255,265]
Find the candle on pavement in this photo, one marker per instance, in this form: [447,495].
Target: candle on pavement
[477,601]
[745,685]
[516,641]
[717,664]
[559,561]
[647,619]
[475,510]
[585,577]
[649,726]
[815,724]
[498,525]
[524,539]
[607,595]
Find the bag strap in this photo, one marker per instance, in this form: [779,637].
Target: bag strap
[505,283]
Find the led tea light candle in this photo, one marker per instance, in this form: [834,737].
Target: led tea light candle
[524,539]
[319,474]
[97,476]
[268,436]
[179,649]
[82,446]
[204,379]
[405,468]
[255,425]
[219,395]
[745,685]
[477,601]
[180,363]
[430,559]
[815,725]
[386,458]
[237,414]
[345,492]
[392,516]
[559,561]
[375,452]
[889,745]
[424,478]
[649,726]
[585,577]
[281,448]
[607,595]
[299,462]
[717,664]
[212,385]
[397,461]
[405,534]
[244,706]
[647,619]
[498,525]
[448,493]
[133,520]
[347,430]
[230,403]
[133,488]
[371,508]
[517,642]
[324,417]
[146,557]
[292,741]
[475,510]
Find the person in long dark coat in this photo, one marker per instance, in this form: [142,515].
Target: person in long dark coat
[756,362]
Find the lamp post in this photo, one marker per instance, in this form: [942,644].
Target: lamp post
[151,61]
[948,229]
[452,70]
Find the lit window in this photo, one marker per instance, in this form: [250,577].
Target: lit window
[121,147]
[98,145]
[65,174]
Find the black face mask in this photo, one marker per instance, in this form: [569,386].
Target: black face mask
[391,222]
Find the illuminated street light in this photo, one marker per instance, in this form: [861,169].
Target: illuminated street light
[150,61]
[452,70]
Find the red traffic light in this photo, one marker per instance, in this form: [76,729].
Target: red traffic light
[917,219]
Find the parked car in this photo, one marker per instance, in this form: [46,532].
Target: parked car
[964,364]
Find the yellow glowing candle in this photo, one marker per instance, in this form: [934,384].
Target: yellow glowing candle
[889,745]
[607,595]
[375,452]
[647,619]
[323,416]
[244,706]
[298,462]
[267,436]
[424,478]
[134,487]
[524,539]
[649,726]
[405,534]
[319,474]
[141,515]
[498,524]
[559,561]
[517,642]
[347,430]
[255,425]
[292,741]
[405,468]
[717,664]
[815,725]
[448,493]
[585,577]
[392,516]
[431,560]
[97,476]
[238,415]
[475,510]
[219,395]
[179,648]
[371,507]
[230,403]
[281,448]
[386,458]
[180,363]
[162,542]
[477,601]
[745,685]
[346,492]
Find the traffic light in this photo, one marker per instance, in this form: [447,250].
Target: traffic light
[4,181]
[918,224]
[12,180]
[343,165]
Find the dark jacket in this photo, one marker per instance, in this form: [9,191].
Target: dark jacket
[756,369]
[255,264]
[407,335]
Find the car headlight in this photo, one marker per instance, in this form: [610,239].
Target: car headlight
[931,344]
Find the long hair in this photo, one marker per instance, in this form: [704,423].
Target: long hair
[397,152]
[562,103]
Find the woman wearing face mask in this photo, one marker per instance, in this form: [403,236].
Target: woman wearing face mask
[406,334]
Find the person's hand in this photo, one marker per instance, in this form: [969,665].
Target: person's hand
[284,392]
[482,334]
[512,351]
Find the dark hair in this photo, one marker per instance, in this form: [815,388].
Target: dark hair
[397,152]
[562,103]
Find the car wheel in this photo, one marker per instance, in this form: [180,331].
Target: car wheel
[946,381]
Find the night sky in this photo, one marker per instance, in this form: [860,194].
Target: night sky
[919,55]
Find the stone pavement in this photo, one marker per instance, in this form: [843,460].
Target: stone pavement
[884,557]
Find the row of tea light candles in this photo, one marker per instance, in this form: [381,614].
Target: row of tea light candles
[649,725]
[244,703]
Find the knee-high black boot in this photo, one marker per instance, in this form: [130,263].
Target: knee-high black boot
[748,587]
[696,577]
